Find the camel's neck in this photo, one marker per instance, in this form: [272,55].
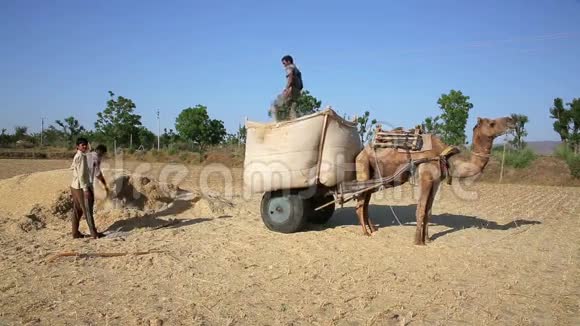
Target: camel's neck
[482,144]
[465,168]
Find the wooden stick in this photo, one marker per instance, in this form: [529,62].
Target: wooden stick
[401,146]
[374,184]
[321,147]
[397,135]
[99,254]
[402,136]
[330,202]
[502,162]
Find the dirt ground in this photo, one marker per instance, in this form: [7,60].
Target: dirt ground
[501,255]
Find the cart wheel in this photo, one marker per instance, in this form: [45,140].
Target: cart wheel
[324,214]
[284,213]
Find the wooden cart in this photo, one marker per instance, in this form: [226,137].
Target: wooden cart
[315,159]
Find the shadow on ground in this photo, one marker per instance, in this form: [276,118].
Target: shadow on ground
[156,221]
[382,216]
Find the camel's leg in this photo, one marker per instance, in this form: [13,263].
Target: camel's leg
[360,212]
[425,189]
[367,200]
[429,207]
[363,174]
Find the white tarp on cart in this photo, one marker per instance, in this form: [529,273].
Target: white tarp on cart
[315,149]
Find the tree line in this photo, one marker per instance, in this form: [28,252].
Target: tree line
[118,124]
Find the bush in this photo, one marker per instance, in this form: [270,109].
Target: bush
[140,155]
[182,146]
[564,152]
[184,157]
[498,147]
[574,165]
[573,160]
[518,159]
[172,151]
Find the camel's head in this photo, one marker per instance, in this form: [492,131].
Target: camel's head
[494,127]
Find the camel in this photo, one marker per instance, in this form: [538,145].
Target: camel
[439,162]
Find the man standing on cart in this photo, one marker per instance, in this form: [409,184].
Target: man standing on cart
[288,100]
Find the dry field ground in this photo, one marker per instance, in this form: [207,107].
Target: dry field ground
[509,255]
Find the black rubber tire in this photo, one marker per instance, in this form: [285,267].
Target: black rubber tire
[323,215]
[284,212]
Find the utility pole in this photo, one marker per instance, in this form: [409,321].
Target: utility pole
[502,160]
[158,131]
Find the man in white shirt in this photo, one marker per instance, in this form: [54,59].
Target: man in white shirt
[82,192]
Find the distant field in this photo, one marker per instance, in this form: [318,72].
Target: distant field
[14,167]
[545,170]
[543,147]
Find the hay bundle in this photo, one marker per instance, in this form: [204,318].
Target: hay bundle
[33,220]
[142,193]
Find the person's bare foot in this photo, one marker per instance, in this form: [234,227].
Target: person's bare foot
[79,235]
[99,235]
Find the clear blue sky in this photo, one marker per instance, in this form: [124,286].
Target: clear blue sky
[393,58]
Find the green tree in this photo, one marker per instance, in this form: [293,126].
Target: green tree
[71,128]
[562,116]
[455,107]
[574,109]
[431,125]
[98,137]
[20,133]
[231,139]
[306,104]
[519,131]
[168,137]
[365,127]
[195,125]
[567,123]
[118,120]
[215,132]
[145,137]
[5,138]
[238,138]
[241,135]
[55,137]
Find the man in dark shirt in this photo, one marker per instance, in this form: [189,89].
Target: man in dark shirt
[286,105]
